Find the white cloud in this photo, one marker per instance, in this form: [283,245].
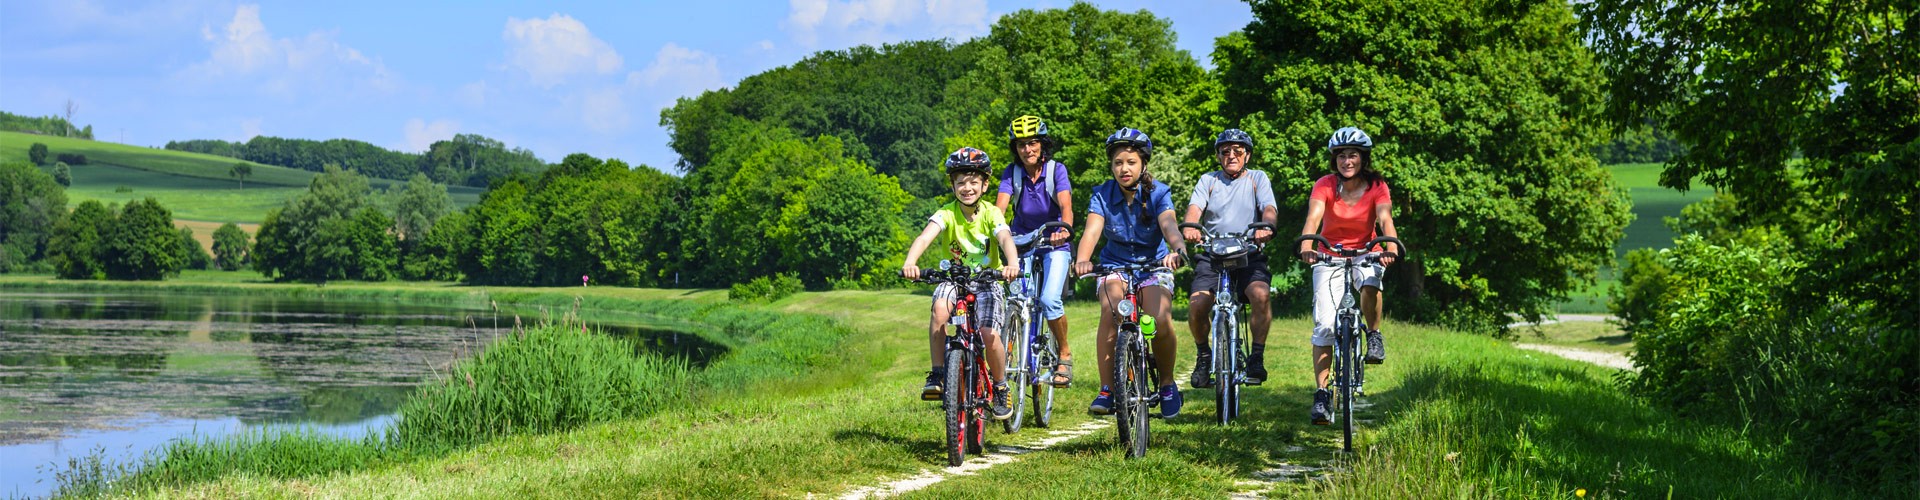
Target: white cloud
[875,21]
[681,67]
[421,135]
[554,49]
[245,48]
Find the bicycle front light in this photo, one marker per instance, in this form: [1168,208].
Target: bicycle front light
[1124,308]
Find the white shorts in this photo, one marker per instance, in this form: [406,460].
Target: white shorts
[1329,286]
[1141,280]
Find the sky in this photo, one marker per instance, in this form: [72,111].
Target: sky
[553,77]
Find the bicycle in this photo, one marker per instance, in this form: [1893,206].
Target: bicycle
[968,387]
[1035,357]
[1349,367]
[1228,252]
[1135,383]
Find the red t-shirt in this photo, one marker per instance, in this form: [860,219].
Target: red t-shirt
[1349,225]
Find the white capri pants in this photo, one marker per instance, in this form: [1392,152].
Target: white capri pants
[1329,286]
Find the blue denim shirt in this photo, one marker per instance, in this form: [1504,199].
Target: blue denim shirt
[1128,239]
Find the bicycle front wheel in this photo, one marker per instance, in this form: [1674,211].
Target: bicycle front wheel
[1020,372]
[1123,393]
[1046,360]
[1226,380]
[1142,390]
[1349,358]
[954,400]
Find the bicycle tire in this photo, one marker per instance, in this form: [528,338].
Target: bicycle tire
[954,401]
[1019,371]
[1046,360]
[1143,392]
[981,397]
[1226,379]
[1122,392]
[1347,383]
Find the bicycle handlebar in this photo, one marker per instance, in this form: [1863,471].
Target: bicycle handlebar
[959,275]
[1024,240]
[1397,253]
[1105,270]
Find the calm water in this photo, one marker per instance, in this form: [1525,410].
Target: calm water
[127,373]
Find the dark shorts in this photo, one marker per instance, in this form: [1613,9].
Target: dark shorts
[1207,279]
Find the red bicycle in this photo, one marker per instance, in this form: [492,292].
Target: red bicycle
[968,388]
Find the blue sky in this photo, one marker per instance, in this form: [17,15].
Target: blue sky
[556,78]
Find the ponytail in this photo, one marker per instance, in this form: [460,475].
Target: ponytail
[1146,196]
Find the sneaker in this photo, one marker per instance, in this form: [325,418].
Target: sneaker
[936,385]
[1256,370]
[1001,410]
[1202,371]
[1102,404]
[1376,349]
[1170,401]
[1321,400]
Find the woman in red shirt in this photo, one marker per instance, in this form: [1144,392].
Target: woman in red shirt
[1345,208]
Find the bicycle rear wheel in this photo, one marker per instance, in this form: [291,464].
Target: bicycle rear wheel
[1142,390]
[1019,366]
[954,400]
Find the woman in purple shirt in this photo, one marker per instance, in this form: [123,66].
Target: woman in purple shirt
[1038,189]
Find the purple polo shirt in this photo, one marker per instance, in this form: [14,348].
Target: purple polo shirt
[1034,208]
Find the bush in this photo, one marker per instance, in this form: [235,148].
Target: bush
[765,289]
[37,153]
[72,158]
[62,173]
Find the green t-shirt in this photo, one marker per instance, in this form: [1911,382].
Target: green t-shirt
[972,241]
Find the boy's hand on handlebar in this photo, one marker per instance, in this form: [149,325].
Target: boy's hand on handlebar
[1192,235]
[1010,272]
[1082,268]
[910,271]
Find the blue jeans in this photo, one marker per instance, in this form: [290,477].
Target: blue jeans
[1051,306]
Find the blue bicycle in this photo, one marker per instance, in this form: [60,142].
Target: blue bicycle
[1032,355]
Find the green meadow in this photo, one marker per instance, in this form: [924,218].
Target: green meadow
[1452,414]
[194,186]
[1652,204]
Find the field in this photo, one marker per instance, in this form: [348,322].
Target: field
[194,186]
[1452,414]
[1651,205]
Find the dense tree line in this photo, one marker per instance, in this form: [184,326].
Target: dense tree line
[134,242]
[44,125]
[31,201]
[1787,304]
[467,159]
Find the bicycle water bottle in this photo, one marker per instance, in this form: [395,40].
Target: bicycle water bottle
[1146,327]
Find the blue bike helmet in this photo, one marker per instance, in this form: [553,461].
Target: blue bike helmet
[968,159]
[1233,136]
[1349,137]
[1127,136]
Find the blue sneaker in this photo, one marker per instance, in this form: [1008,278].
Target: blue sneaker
[1102,404]
[1170,401]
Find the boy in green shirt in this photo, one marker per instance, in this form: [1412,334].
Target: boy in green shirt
[968,228]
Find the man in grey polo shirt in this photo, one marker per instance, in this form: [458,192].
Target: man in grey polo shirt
[1227,201]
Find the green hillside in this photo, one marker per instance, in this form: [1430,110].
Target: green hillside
[195,186]
[1652,204]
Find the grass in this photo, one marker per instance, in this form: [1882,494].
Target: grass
[1454,415]
[194,186]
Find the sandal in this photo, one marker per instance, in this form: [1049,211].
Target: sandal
[1062,374]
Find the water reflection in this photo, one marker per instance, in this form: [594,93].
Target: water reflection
[131,370]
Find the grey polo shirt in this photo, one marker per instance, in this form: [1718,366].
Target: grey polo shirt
[1229,205]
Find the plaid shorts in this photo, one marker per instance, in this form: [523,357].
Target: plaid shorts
[988,302]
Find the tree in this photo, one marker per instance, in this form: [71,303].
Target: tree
[434,257]
[76,248]
[62,174]
[506,241]
[230,247]
[1484,115]
[71,109]
[1805,113]
[141,244]
[192,254]
[240,171]
[323,235]
[418,205]
[37,153]
[31,202]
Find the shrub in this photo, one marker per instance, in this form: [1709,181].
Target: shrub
[72,158]
[766,289]
[37,153]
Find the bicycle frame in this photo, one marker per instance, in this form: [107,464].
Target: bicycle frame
[969,389]
[1226,337]
[1349,370]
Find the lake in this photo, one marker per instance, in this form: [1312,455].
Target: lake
[126,373]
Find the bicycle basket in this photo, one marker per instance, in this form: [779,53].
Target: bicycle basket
[1230,253]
